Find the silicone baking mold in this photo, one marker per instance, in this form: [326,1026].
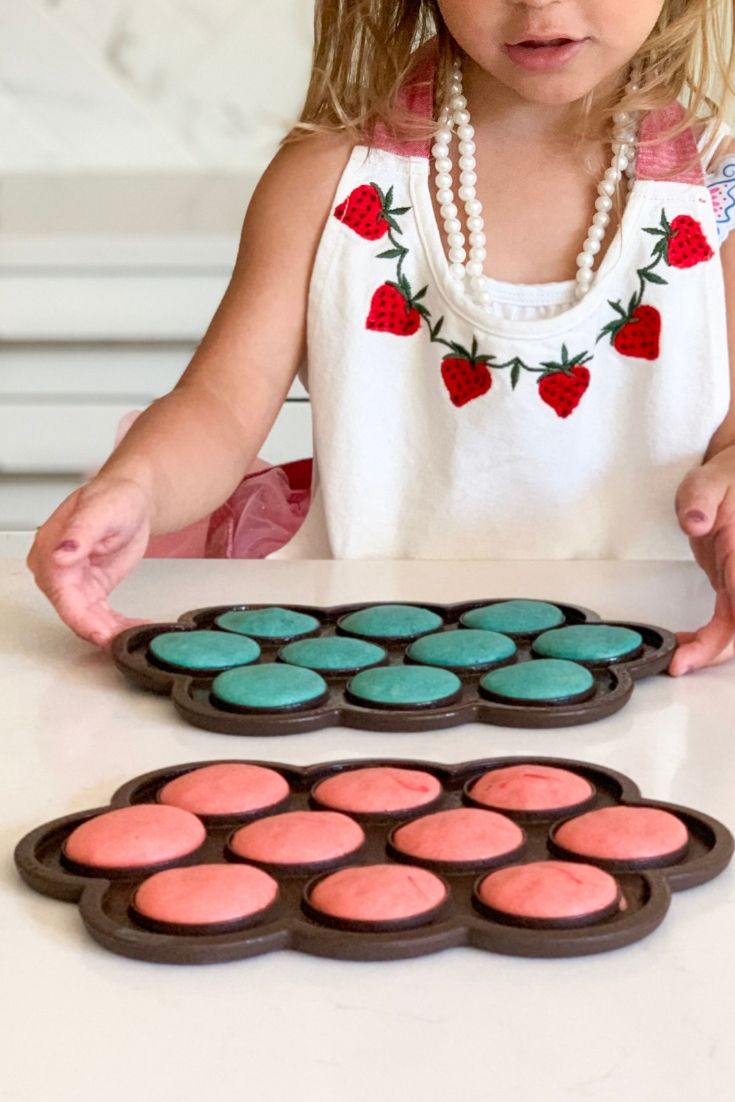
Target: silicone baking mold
[105,899]
[337,702]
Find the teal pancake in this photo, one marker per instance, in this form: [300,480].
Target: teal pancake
[338,654]
[462,649]
[514,617]
[202,650]
[404,686]
[268,623]
[269,687]
[538,681]
[391,622]
[589,643]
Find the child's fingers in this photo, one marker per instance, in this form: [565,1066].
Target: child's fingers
[100,520]
[725,655]
[86,533]
[698,500]
[96,623]
[725,562]
[712,644]
[704,553]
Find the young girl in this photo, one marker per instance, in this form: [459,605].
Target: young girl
[492,246]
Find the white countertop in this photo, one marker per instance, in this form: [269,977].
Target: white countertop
[647,1023]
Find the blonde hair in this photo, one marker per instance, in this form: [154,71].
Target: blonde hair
[365,49]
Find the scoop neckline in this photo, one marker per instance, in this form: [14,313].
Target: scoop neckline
[433,246]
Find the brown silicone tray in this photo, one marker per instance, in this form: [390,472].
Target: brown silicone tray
[104,903]
[191,694]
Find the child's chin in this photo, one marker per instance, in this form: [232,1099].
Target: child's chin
[564,86]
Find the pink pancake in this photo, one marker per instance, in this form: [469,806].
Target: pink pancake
[623,834]
[462,834]
[531,788]
[205,894]
[298,838]
[379,788]
[378,893]
[549,890]
[135,837]
[230,788]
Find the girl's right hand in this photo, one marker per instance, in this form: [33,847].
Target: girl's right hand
[92,541]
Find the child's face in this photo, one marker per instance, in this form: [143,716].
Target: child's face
[583,42]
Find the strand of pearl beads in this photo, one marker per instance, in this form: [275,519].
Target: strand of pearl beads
[624,142]
[467,271]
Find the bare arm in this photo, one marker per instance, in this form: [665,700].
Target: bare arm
[191,448]
[186,454]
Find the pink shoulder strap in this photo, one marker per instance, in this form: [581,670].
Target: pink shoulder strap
[673,159]
[417,97]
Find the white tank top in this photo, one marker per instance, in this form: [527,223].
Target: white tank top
[442,430]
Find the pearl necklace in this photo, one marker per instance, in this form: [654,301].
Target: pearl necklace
[468,271]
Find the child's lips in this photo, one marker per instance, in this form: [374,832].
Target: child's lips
[544,54]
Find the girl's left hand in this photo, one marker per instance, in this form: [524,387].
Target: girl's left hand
[705,505]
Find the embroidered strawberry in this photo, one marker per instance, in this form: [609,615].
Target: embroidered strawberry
[395,309]
[391,313]
[682,242]
[562,385]
[687,245]
[465,374]
[636,332]
[368,212]
[639,336]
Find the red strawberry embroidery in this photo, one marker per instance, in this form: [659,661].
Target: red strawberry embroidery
[466,375]
[562,385]
[368,212]
[393,311]
[687,245]
[639,336]
[637,330]
[682,242]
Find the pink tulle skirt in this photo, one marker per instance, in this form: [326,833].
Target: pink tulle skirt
[265,511]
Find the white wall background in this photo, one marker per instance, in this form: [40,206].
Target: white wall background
[149,85]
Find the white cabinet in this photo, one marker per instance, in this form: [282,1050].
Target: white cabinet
[93,326]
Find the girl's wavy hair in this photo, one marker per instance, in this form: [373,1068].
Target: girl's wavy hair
[365,49]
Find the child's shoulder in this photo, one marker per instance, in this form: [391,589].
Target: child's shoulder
[294,195]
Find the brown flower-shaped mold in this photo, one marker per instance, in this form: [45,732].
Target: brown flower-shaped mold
[292,923]
[191,692]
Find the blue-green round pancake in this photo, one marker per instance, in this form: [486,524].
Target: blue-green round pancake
[268,623]
[332,655]
[203,650]
[268,687]
[391,622]
[588,643]
[404,686]
[539,680]
[514,617]
[464,648]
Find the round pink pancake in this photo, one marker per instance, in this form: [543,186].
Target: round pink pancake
[531,788]
[202,895]
[378,893]
[549,890]
[135,837]
[462,834]
[229,788]
[623,834]
[298,838]
[378,789]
